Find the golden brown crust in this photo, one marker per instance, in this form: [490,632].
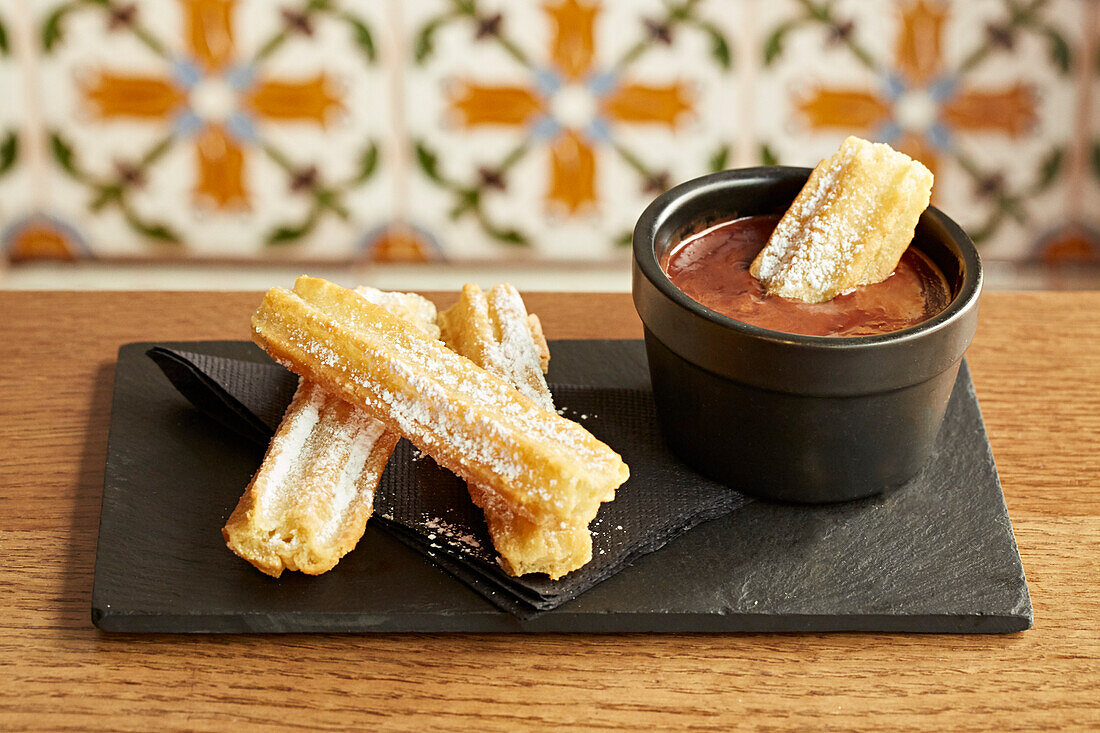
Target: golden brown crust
[275,526]
[526,547]
[469,420]
[848,226]
[309,502]
[539,338]
[494,331]
[477,330]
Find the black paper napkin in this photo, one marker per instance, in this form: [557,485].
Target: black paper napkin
[428,508]
[250,401]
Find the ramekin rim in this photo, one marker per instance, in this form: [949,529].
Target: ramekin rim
[645,257]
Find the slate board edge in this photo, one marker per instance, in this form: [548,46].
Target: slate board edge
[1026,609]
[560,622]
[99,613]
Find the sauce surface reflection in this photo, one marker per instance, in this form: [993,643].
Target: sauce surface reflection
[713,269]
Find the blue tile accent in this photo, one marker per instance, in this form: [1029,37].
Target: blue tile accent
[241,77]
[545,127]
[547,81]
[893,86]
[598,130]
[943,88]
[187,123]
[241,126]
[889,132]
[603,82]
[940,136]
[186,72]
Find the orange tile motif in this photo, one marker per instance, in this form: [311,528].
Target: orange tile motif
[572,105]
[220,180]
[313,100]
[231,128]
[572,171]
[1073,244]
[209,32]
[220,102]
[572,55]
[573,48]
[112,95]
[477,104]
[42,238]
[207,89]
[928,100]
[919,84]
[400,243]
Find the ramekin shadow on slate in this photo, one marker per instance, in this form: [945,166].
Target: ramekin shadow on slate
[785,416]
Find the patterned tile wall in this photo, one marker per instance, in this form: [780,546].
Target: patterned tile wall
[486,130]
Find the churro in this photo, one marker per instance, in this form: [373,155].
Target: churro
[495,332]
[472,422]
[848,226]
[308,504]
[526,547]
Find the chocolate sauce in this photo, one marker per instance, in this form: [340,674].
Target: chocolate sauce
[712,267]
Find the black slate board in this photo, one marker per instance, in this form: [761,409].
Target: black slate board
[429,508]
[935,556]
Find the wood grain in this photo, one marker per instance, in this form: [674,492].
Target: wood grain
[1036,364]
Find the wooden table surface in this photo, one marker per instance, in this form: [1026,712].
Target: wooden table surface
[1036,363]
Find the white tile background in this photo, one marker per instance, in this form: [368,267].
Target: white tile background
[395,101]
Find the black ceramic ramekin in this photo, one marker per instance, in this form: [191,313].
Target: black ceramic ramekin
[785,416]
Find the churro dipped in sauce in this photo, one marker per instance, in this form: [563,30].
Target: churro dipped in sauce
[712,267]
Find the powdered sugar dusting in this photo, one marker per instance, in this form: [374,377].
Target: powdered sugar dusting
[848,226]
[297,426]
[466,418]
[806,248]
[447,533]
[348,488]
[317,481]
[495,332]
[309,482]
[574,415]
[519,359]
[413,307]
